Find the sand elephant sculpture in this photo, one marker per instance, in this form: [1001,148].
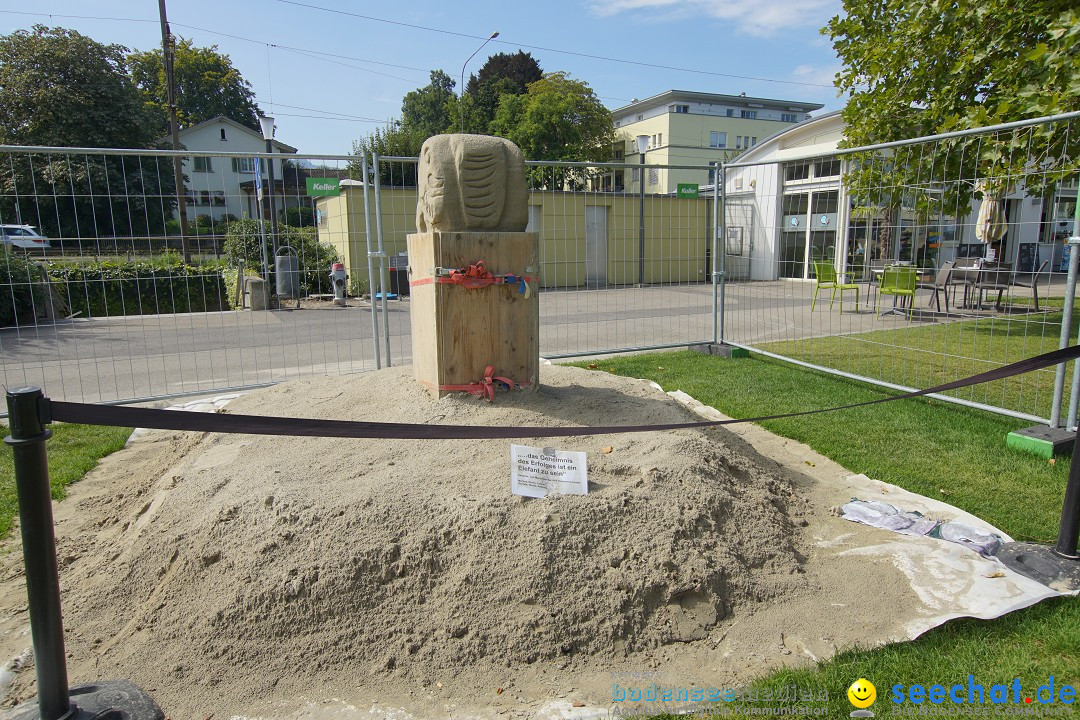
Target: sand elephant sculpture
[471,183]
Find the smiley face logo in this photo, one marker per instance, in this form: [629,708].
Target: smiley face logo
[862,693]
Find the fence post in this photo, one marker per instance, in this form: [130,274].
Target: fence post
[370,266]
[1074,394]
[383,284]
[27,440]
[1070,510]
[721,179]
[715,246]
[1066,319]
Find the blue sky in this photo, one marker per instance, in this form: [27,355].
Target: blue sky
[349,63]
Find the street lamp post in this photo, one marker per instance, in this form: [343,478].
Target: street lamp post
[490,38]
[267,124]
[642,146]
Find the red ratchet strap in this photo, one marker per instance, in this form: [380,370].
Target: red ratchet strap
[473,277]
[486,387]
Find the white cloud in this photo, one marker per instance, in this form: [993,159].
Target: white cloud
[823,75]
[756,17]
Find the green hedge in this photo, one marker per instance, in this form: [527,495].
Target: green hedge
[141,287]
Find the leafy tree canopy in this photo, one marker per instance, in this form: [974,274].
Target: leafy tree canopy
[921,68]
[502,74]
[558,119]
[913,69]
[393,140]
[429,110]
[207,85]
[61,88]
[520,68]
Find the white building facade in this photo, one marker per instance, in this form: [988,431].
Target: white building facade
[217,186]
[787,206]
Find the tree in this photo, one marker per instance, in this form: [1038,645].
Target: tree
[913,69]
[394,140]
[558,119]
[502,74]
[207,85]
[60,88]
[429,110]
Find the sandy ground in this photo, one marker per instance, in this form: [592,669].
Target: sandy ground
[271,577]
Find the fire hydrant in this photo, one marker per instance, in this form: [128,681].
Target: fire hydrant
[339,279]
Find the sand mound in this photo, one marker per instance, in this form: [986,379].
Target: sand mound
[256,566]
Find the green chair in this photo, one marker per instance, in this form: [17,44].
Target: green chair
[898,281]
[827,278]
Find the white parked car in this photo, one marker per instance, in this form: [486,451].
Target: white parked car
[23,237]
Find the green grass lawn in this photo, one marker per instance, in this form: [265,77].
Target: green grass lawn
[73,451]
[937,449]
[924,354]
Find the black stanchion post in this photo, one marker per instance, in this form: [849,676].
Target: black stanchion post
[27,440]
[1070,511]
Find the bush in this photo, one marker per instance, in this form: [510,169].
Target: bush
[300,217]
[243,248]
[24,294]
[142,287]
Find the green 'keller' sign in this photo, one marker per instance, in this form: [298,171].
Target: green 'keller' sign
[322,186]
[687,190]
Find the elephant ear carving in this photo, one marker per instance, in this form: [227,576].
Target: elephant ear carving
[483,186]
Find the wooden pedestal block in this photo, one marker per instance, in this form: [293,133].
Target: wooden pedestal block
[457,332]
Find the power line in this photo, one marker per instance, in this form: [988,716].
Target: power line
[344,116]
[324,117]
[228,35]
[337,62]
[554,50]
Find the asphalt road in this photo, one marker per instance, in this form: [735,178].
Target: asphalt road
[110,359]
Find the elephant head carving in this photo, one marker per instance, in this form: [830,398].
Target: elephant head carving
[471,182]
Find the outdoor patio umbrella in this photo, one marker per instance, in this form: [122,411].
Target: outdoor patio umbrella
[990,224]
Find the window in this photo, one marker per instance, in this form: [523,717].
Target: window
[712,175]
[640,118]
[652,141]
[680,109]
[203,164]
[730,112]
[218,198]
[618,154]
[738,142]
[789,117]
[748,114]
[796,171]
[828,167]
[243,165]
[753,141]
[223,134]
[637,174]
[204,197]
[654,176]
[717,139]
[618,123]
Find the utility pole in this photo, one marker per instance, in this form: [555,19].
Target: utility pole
[167,54]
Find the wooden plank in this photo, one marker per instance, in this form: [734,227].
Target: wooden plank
[457,332]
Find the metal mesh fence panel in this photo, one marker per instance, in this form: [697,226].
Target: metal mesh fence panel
[105,298]
[946,257]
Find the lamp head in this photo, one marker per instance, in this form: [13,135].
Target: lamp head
[267,124]
[642,143]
